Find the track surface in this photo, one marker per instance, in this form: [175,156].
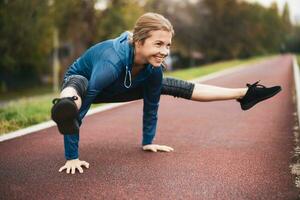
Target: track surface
[221,152]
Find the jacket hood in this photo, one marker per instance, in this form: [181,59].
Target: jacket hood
[125,51]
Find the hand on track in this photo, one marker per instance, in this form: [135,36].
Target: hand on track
[156,147]
[72,165]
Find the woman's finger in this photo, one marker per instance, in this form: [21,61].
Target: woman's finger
[168,148]
[80,169]
[86,164]
[151,148]
[62,168]
[68,170]
[73,170]
[154,149]
[164,149]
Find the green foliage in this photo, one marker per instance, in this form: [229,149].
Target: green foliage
[30,92]
[24,41]
[80,25]
[76,20]
[225,29]
[24,112]
[293,40]
[215,30]
[119,16]
[286,18]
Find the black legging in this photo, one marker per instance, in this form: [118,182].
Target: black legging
[170,86]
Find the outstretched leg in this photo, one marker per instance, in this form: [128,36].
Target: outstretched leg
[247,97]
[203,92]
[200,92]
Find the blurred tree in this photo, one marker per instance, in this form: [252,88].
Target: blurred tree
[271,22]
[81,25]
[286,20]
[25,41]
[221,37]
[187,19]
[223,29]
[119,16]
[205,29]
[287,29]
[250,30]
[293,40]
[76,22]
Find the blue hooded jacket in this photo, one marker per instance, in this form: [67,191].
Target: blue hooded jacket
[107,66]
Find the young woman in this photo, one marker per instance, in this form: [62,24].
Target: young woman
[129,68]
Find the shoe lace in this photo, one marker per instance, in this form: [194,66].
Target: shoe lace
[73,98]
[255,85]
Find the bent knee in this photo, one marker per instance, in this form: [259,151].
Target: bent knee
[177,88]
[78,82]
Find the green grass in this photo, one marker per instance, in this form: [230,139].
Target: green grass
[25,112]
[28,111]
[16,94]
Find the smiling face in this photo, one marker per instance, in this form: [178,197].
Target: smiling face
[154,49]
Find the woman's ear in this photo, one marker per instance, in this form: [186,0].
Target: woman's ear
[138,44]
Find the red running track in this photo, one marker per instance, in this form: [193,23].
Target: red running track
[221,152]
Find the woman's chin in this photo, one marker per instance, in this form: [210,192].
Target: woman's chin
[156,64]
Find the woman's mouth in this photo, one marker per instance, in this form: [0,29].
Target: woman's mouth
[159,59]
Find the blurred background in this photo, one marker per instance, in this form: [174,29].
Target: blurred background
[34,33]
[39,39]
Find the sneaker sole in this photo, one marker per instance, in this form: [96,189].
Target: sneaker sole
[250,105]
[64,113]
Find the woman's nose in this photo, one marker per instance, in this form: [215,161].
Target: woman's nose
[164,51]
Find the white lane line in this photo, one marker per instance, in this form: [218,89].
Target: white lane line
[297,84]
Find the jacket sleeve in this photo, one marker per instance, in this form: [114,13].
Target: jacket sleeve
[104,73]
[152,90]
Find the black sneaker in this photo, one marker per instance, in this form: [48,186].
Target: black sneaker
[257,93]
[65,113]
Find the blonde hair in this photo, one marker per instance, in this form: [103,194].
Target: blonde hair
[149,22]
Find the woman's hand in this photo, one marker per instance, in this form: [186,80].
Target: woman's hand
[72,165]
[156,147]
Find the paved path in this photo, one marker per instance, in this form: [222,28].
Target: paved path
[221,152]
